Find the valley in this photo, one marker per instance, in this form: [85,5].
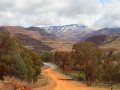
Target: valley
[59,44]
[42,39]
[38,40]
[70,51]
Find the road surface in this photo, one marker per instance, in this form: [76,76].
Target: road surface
[58,81]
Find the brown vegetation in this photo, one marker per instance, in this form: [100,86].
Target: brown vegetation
[89,63]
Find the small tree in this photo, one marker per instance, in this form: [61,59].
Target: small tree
[86,58]
[62,58]
[18,68]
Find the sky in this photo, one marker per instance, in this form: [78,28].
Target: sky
[92,13]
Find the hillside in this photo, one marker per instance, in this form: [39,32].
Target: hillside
[113,44]
[34,44]
[105,31]
[76,32]
[99,39]
[41,40]
[72,32]
[73,36]
[41,31]
[16,60]
[28,38]
[52,40]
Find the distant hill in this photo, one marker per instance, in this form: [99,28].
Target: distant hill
[72,32]
[99,39]
[76,32]
[114,43]
[34,44]
[38,39]
[29,38]
[41,31]
[105,31]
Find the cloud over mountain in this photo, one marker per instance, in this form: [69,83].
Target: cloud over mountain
[56,12]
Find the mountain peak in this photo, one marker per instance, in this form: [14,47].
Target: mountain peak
[66,28]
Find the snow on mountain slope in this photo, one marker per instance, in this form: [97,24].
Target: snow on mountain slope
[72,32]
[66,28]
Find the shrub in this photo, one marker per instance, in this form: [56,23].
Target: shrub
[78,75]
[16,60]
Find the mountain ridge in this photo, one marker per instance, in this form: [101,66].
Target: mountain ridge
[66,28]
[59,41]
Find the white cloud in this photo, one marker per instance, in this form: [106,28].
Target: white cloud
[78,7]
[54,12]
[111,15]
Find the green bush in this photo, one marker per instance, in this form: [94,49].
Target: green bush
[78,75]
[16,60]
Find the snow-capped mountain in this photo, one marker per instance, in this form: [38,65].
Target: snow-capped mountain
[72,32]
[66,28]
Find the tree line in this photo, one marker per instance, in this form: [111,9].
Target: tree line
[91,62]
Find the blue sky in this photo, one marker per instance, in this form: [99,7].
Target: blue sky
[93,13]
[104,1]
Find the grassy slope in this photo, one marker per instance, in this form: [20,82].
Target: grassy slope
[115,43]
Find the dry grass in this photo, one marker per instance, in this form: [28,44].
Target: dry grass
[114,44]
[11,83]
[41,82]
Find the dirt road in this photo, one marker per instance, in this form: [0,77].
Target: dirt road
[57,84]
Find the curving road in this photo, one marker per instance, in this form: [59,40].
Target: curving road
[59,81]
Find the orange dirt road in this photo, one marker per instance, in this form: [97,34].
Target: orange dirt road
[55,82]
